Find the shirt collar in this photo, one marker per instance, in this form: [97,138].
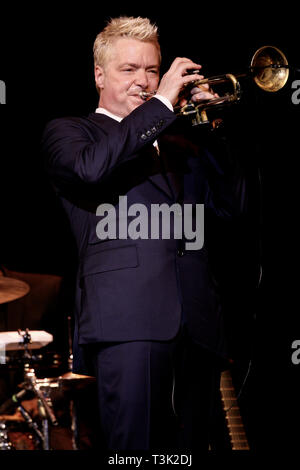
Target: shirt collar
[108,113]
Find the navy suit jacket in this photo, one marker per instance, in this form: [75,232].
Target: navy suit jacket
[137,289]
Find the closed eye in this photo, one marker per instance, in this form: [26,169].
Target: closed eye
[133,67]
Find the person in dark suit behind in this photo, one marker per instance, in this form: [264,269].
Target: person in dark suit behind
[148,320]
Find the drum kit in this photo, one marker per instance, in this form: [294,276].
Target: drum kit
[29,428]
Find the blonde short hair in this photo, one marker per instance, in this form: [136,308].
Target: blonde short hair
[124,27]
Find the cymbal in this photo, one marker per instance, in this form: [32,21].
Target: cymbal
[12,340]
[71,381]
[71,376]
[66,382]
[12,289]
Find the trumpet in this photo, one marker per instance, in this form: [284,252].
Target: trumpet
[269,69]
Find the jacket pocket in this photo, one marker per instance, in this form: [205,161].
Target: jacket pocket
[99,259]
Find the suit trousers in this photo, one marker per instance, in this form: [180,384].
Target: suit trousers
[156,395]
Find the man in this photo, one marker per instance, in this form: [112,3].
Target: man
[147,314]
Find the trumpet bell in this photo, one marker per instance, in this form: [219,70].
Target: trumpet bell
[270,68]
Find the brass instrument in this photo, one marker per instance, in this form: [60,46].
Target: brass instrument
[269,69]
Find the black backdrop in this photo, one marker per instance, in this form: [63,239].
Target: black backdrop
[47,65]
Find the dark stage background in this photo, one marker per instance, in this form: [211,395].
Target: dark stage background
[47,65]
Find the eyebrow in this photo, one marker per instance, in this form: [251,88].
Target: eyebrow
[128,64]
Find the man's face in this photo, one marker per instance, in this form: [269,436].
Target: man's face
[132,66]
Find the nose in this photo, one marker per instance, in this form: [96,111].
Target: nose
[141,78]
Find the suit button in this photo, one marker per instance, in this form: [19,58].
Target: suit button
[148,133]
[180,253]
[143,137]
[153,130]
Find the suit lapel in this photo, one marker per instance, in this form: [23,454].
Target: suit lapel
[161,173]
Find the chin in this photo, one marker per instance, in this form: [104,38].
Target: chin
[134,106]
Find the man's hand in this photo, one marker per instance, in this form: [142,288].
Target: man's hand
[177,77]
[203,92]
[199,93]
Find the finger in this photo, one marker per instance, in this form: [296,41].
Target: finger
[185,65]
[184,62]
[182,102]
[200,88]
[191,78]
[203,95]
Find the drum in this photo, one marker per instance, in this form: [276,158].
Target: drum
[5,443]
[15,435]
[71,398]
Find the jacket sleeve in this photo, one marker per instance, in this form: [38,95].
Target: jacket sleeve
[72,156]
[226,178]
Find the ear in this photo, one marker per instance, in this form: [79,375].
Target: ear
[99,77]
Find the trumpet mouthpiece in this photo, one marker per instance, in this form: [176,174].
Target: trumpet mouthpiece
[146,94]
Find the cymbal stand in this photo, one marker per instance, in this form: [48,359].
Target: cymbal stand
[30,383]
[73,407]
[31,424]
[45,425]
